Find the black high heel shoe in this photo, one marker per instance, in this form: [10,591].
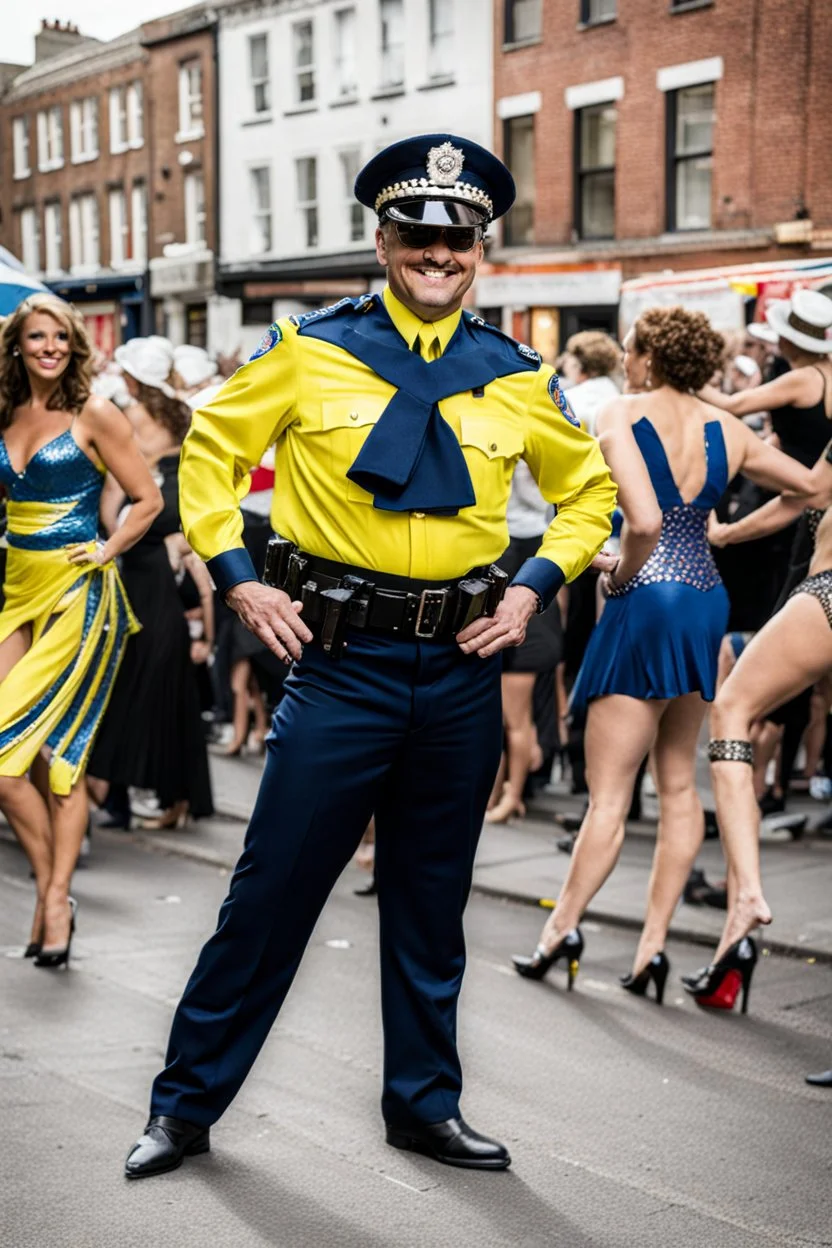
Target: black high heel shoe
[53,958]
[656,971]
[570,946]
[717,987]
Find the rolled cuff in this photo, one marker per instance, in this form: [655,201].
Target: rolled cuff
[543,576]
[230,568]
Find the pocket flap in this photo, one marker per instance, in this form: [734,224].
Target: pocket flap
[495,438]
[346,413]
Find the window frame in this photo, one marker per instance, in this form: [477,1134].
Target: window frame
[120,256]
[440,62]
[260,82]
[83,127]
[509,36]
[299,71]
[258,213]
[191,104]
[673,161]
[508,122]
[135,114]
[388,82]
[355,210]
[196,217]
[138,223]
[84,266]
[586,18]
[580,175]
[118,118]
[350,91]
[30,239]
[50,125]
[21,147]
[53,211]
[308,208]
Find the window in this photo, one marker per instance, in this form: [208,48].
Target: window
[597,11]
[519,156]
[54,237]
[307,180]
[304,59]
[119,235]
[50,140]
[392,43]
[194,209]
[135,114]
[118,119]
[350,164]
[258,64]
[257,312]
[690,128]
[261,210]
[523,20]
[83,232]
[190,102]
[138,220]
[441,48]
[595,171]
[29,240]
[20,145]
[83,122]
[346,74]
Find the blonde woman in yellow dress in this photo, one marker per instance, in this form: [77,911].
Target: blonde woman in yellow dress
[66,618]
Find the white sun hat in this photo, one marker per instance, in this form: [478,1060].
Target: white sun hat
[148,361]
[763,332]
[806,320]
[194,365]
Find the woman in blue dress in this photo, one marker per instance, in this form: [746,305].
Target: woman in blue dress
[650,668]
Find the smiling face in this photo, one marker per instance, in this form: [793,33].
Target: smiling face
[45,348]
[431,282]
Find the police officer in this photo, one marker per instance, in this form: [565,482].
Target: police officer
[397,421]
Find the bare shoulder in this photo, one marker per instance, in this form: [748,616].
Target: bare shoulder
[100,415]
[620,413]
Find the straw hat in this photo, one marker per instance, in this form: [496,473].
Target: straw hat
[805,320]
[148,361]
[194,365]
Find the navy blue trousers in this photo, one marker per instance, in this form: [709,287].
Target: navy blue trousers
[410,732]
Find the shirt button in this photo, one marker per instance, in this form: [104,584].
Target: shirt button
[353,415]
[493,446]
[418,515]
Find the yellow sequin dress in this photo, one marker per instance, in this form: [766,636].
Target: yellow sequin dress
[80,617]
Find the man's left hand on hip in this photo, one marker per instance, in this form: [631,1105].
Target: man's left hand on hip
[507,627]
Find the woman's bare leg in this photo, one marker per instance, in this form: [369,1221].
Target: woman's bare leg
[240,673]
[681,819]
[24,808]
[619,732]
[518,688]
[771,670]
[69,822]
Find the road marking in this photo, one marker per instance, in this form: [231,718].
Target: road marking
[420,1191]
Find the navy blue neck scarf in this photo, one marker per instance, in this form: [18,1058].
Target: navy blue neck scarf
[411,459]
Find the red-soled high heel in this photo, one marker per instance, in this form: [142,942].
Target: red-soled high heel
[718,987]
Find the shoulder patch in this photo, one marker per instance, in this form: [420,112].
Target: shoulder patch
[272,337]
[360,303]
[560,401]
[529,353]
[510,344]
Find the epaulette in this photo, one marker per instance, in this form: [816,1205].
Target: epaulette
[357,303]
[519,348]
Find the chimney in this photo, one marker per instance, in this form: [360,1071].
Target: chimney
[54,38]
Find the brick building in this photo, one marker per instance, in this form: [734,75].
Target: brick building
[646,135]
[107,159]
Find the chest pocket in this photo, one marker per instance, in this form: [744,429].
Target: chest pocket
[347,422]
[491,446]
[492,437]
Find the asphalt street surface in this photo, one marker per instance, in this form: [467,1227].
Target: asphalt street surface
[629,1125]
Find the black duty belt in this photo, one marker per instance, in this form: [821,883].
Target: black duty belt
[337,596]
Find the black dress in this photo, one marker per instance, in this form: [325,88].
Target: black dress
[151,736]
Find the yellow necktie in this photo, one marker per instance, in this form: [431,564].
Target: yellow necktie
[429,348]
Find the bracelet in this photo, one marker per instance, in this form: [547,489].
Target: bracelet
[611,575]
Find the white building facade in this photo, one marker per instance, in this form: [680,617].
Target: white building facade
[309,90]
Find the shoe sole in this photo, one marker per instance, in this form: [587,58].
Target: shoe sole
[193,1150]
[407,1143]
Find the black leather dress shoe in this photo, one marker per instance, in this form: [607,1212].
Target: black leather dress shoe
[823,1080]
[165,1144]
[452,1142]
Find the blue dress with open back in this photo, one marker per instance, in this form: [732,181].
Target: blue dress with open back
[659,634]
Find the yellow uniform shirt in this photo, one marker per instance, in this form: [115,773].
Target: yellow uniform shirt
[317,404]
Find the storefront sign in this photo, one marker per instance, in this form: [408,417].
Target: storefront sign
[185,276]
[571,289]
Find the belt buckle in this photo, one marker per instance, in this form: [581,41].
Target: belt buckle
[429,616]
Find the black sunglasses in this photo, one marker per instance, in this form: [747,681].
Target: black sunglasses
[418,237]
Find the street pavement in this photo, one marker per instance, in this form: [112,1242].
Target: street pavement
[628,1124]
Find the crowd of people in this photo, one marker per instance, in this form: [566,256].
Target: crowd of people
[713,441]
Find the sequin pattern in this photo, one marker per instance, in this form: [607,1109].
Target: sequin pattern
[65,481]
[682,553]
[820,587]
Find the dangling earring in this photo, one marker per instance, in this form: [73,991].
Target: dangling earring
[648,380]
[15,350]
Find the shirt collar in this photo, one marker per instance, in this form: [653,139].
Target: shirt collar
[409,324]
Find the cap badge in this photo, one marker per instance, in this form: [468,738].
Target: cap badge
[444,164]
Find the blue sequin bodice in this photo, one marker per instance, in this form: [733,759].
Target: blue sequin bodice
[682,554]
[55,500]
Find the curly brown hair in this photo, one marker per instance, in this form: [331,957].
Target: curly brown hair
[171,413]
[72,388]
[685,349]
[597,353]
